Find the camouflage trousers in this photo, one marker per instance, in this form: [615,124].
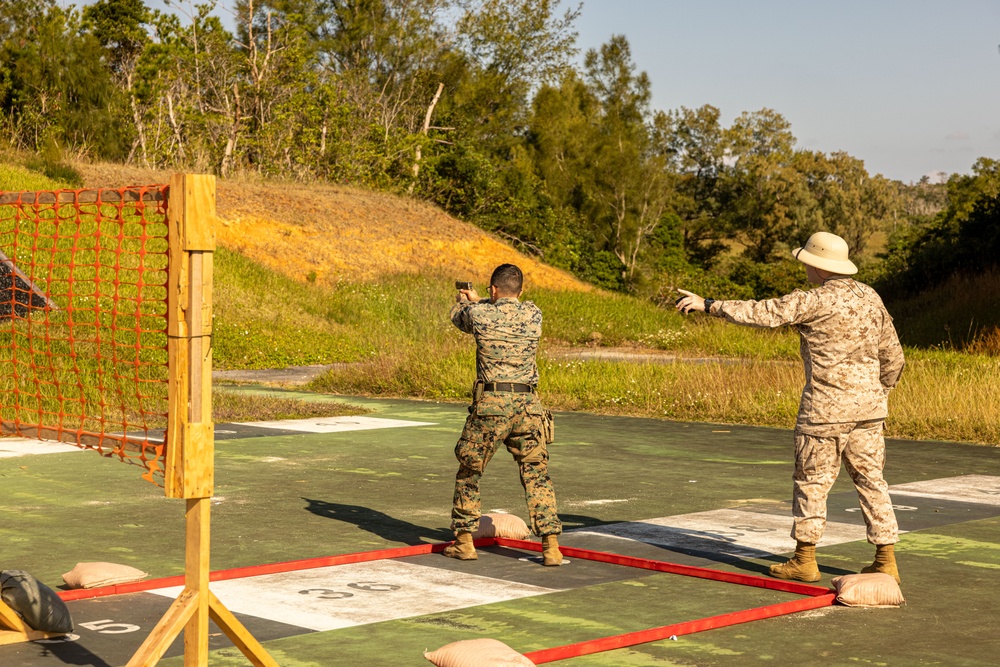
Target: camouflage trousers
[516,421]
[819,451]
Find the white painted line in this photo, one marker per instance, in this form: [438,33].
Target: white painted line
[342,596]
[602,501]
[335,424]
[728,531]
[979,489]
[11,447]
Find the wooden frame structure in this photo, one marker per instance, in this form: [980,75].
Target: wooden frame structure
[189,466]
[13,630]
[190,463]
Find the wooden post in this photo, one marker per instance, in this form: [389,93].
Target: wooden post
[190,457]
[189,469]
[14,630]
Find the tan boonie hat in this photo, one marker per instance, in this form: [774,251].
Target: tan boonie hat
[828,252]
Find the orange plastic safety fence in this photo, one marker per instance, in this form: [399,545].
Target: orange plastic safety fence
[83,320]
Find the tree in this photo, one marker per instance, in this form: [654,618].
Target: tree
[511,47]
[852,204]
[631,187]
[121,28]
[766,197]
[696,146]
[55,89]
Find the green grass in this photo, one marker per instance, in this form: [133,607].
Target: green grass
[404,345]
[397,340]
[236,406]
[14,178]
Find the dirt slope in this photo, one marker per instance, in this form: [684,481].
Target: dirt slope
[345,234]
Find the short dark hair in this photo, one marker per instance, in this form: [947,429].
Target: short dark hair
[508,279]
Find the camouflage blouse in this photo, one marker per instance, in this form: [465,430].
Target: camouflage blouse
[847,341]
[506,333]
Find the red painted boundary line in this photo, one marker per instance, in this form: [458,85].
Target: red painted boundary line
[673,568]
[817,596]
[257,570]
[689,627]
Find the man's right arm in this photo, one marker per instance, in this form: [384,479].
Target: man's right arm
[461,315]
[770,313]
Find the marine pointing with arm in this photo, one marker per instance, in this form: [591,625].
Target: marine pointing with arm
[852,360]
[505,410]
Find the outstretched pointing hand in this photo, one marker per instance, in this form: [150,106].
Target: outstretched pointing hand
[689,302]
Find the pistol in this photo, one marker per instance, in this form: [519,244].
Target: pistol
[460,285]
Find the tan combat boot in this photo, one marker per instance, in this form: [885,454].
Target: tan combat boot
[801,567]
[462,548]
[551,555]
[885,561]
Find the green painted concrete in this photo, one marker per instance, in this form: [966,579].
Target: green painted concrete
[291,497]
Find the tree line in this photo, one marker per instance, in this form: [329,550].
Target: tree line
[481,106]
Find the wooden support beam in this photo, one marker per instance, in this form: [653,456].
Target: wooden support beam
[166,631]
[190,448]
[30,198]
[17,630]
[239,635]
[196,573]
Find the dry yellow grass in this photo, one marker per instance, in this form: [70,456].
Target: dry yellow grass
[338,234]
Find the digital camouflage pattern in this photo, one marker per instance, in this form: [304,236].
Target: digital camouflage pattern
[514,420]
[507,334]
[852,360]
[847,341]
[817,461]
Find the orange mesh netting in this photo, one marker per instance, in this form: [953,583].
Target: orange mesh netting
[83,320]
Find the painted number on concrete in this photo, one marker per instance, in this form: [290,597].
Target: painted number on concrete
[109,627]
[753,529]
[329,594]
[326,594]
[372,586]
[898,508]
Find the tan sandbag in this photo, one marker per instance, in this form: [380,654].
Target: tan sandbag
[477,653]
[98,575]
[498,524]
[875,589]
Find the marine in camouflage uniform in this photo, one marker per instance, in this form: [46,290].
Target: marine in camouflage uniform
[506,409]
[852,360]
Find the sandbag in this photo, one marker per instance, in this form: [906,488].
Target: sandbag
[477,653]
[874,589]
[98,575]
[497,524]
[37,604]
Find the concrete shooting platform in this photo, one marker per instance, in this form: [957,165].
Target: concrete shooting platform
[696,494]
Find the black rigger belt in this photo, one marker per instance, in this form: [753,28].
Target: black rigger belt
[517,387]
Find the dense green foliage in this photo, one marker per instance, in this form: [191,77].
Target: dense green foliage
[477,105]
[483,107]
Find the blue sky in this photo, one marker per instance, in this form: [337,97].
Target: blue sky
[912,87]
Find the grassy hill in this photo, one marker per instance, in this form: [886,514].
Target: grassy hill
[331,234]
[322,274]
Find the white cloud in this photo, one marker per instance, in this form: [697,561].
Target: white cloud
[958,136]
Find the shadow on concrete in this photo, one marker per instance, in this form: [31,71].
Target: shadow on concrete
[70,653]
[378,523]
[696,544]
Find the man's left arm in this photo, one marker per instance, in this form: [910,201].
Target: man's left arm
[890,356]
[461,312]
